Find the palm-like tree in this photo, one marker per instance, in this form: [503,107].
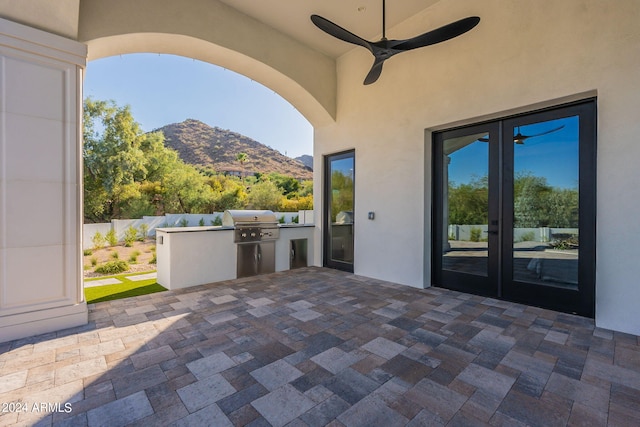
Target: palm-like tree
[242,158]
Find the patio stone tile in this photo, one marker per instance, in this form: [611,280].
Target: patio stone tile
[205,392]
[351,385]
[152,357]
[243,397]
[80,370]
[259,302]
[306,314]
[438,399]
[384,348]
[137,381]
[371,412]
[210,365]
[334,359]
[536,412]
[493,383]
[325,412]
[276,374]
[121,412]
[13,381]
[299,305]
[376,353]
[282,405]
[210,415]
[586,394]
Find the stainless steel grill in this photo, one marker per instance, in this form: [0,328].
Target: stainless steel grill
[255,234]
[252,225]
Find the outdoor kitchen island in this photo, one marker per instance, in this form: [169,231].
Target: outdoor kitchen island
[192,256]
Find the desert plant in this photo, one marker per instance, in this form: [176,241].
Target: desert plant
[133,258]
[87,252]
[130,236]
[295,219]
[98,240]
[281,219]
[94,261]
[183,222]
[112,238]
[476,233]
[115,255]
[201,222]
[153,260]
[112,267]
[144,229]
[217,221]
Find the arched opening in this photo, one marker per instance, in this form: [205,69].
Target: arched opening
[156,74]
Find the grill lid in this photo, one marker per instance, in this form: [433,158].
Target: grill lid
[231,217]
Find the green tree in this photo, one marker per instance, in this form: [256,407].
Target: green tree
[264,195]
[113,159]
[468,202]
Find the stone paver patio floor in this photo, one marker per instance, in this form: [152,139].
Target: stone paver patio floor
[314,347]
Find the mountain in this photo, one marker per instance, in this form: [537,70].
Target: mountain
[200,144]
[306,160]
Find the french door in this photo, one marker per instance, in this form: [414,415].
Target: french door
[514,208]
[338,218]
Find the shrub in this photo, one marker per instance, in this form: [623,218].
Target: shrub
[296,219]
[217,221]
[144,229]
[529,236]
[115,255]
[130,236]
[183,222]
[201,222]
[112,238]
[112,267]
[281,219]
[153,260]
[87,252]
[133,258]
[476,233]
[94,261]
[98,240]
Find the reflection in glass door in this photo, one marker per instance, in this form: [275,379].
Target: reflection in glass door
[514,208]
[546,208]
[339,188]
[466,184]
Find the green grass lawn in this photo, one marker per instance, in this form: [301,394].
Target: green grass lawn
[128,288]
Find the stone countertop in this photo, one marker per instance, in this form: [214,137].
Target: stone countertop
[218,228]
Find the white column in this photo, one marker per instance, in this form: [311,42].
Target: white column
[40,182]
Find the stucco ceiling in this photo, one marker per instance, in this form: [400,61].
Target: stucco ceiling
[361,17]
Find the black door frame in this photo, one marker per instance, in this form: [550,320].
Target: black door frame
[581,302]
[328,260]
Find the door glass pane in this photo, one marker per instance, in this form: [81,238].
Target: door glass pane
[545,203]
[341,172]
[466,204]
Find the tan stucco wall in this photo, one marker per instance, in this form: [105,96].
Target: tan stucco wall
[522,54]
[211,31]
[58,17]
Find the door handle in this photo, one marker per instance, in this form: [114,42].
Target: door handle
[492,232]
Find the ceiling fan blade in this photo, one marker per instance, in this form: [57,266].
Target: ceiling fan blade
[339,32]
[375,71]
[544,133]
[438,35]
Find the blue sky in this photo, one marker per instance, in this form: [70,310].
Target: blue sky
[553,156]
[164,89]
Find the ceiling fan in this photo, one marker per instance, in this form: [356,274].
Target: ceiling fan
[519,138]
[385,49]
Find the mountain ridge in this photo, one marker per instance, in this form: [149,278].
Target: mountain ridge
[199,144]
